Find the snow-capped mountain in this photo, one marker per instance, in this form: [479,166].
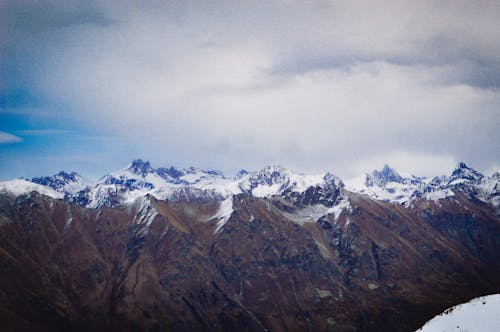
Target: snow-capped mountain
[277,180]
[193,184]
[59,185]
[139,179]
[479,314]
[65,183]
[467,180]
[388,185]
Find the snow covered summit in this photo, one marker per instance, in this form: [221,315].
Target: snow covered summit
[139,178]
[387,185]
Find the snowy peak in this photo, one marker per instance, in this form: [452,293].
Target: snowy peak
[67,183]
[333,180]
[241,174]
[462,172]
[270,175]
[140,167]
[170,172]
[464,179]
[270,180]
[300,188]
[388,185]
[139,178]
[380,178]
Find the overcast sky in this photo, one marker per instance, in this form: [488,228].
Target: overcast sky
[340,86]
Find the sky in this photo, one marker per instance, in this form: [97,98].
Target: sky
[339,86]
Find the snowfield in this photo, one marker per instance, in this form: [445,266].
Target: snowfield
[481,314]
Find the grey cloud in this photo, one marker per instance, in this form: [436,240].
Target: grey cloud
[314,85]
[36,17]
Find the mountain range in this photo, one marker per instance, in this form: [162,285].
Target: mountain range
[193,184]
[184,249]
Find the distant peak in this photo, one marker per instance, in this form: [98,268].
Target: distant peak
[380,178]
[138,166]
[172,171]
[241,173]
[274,168]
[388,173]
[387,168]
[67,175]
[462,171]
[139,162]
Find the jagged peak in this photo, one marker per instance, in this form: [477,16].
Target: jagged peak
[140,167]
[62,181]
[271,174]
[462,171]
[386,174]
[171,171]
[273,168]
[331,178]
[241,174]
[73,176]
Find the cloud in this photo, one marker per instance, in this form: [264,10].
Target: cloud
[42,132]
[313,85]
[39,17]
[6,138]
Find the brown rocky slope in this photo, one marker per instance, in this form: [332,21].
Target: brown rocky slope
[378,266]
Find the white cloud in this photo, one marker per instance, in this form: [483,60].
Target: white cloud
[6,138]
[312,85]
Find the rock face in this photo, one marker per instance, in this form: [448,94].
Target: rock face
[289,262]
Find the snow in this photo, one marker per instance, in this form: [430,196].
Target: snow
[69,221]
[389,186]
[339,208]
[438,194]
[126,186]
[223,214]
[274,180]
[307,214]
[139,179]
[313,213]
[266,191]
[480,314]
[302,182]
[355,184]
[145,214]
[20,186]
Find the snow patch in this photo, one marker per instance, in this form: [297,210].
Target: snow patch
[313,213]
[145,214]
[339,208]
[223,214]
[479,314]
[69,221]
